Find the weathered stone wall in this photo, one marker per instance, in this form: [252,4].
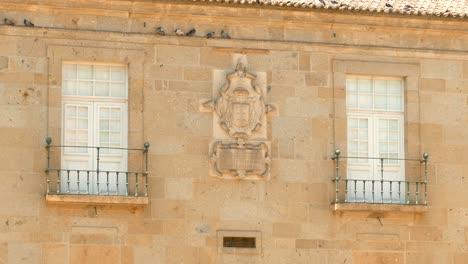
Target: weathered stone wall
[306,56]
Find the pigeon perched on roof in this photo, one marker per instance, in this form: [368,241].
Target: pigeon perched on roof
[179,32]
[8,22]
[160,31]
[28,23]
[210,35]
[191,32]
[225,35]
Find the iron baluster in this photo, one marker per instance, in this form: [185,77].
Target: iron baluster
[408,192]
[399,192]
[146,145]
[364,190]
[58,181]
[346,190]
[97,170]
[391,196]
[337,176]
[78,180]
[417,192]
[87,181]
[126,183]
[355,190]
[107,182]
[117,183]
[68,181]
[373,191]
[426,157]
[136,184]
[381,179]
[48,141]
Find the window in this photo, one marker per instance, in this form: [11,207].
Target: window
[94,128]
[375,130]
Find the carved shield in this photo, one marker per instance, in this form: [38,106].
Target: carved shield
[241,106]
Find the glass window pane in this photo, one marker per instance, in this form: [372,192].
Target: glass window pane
[115,137]
[363,124]
[394,87]
[115,125]
[70,123]
[104,125]
[353,123]
[393,136]
[69,72]
[363,147]
[353,146]
[68,88]
[394,103]
[82,124]
[104,112]
[102,72]
[118,73]
[380,87]
[85,72]
[117,90]
[85,88]
[82,111]
[364,86]
[365,101]
[351,100]
[363,135]
[380,102]
[351,85]
[104,136]
[383,124]
[71,111]
[102,89]
[393,124]
[383,136]
[115,113]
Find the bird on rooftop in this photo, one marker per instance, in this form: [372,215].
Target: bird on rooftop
[28,23]
[210,34]
[160,31]
[388,5]
[179,32]
[8,22]
[225,35]
[191,32]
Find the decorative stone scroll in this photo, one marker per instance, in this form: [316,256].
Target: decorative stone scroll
[241,151]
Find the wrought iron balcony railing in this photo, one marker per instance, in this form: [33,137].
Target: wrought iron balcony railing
[97,170]
[382,183]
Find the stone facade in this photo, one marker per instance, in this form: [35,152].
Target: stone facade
[303,57]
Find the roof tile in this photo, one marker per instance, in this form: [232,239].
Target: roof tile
[446,8]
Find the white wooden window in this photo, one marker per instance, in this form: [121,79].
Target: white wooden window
[94,103]
[375,119]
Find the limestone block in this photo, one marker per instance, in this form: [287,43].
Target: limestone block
[441,69]
[94,254]
[239,210]
[377,257]
[179,189]
[3,63]
[167,209]
[435,85]
[22,253]
[291,78]
[194,73]
[427,233]
[319,62]
[286,230]
[197,124]
[167,72]
[148,254]
[465,70]
[178,55]
[213,57]
[284,60]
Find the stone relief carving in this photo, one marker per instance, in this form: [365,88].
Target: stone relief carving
[240,110]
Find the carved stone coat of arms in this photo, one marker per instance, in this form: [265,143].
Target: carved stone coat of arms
[240,112]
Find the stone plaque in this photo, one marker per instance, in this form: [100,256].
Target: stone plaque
[241,159]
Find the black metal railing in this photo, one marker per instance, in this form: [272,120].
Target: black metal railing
[380,188]
[84,180]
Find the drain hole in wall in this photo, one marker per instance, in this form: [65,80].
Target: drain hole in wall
[239,242]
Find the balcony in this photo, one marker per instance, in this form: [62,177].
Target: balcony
[96,174]
[391,184]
